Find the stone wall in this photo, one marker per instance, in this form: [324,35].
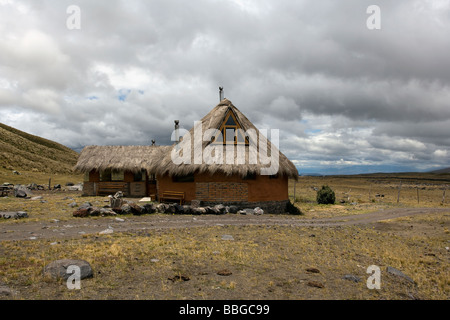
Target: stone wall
[268,206]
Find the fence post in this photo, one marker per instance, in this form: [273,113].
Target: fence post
[295,183]
[398,195]
[443,196]
[417,194]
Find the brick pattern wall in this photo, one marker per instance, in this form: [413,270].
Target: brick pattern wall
[221,191]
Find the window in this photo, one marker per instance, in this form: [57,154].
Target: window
[186,178]
[139,176]
[105,175]
[117,176]
[231,131]
[152,178]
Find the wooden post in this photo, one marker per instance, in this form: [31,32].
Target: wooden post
[295,183]
[398,195]
[443,196]
[418,195]
[50,184]
[370,189]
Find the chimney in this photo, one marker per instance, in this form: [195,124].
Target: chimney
[177,133]
[220,93]
[153,142]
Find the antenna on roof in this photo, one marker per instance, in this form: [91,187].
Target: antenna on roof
[221,93]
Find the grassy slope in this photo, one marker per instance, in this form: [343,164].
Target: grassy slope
[23,151]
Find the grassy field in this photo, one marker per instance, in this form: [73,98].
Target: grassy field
[363,193]
[263,262]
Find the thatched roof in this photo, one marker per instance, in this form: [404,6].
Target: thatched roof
[213,120]
[119,158]
[158,159]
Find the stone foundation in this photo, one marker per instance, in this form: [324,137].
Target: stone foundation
[268,206]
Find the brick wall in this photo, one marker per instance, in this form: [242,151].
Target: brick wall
[221,191]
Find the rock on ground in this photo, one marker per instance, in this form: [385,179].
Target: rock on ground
[58,269]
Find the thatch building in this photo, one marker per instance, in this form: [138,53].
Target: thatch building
[217,161]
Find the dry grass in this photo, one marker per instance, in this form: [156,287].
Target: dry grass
[265,262]
[360,192]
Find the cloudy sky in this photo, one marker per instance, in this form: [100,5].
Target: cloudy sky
[346,97]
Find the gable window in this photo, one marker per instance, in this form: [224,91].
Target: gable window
[231,130]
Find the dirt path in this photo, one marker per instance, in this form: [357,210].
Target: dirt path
[78,228]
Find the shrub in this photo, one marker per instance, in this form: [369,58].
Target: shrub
[326,196]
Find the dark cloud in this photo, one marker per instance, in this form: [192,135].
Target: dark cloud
[340,93]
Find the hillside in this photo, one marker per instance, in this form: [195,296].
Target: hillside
[23,151]
[445,170]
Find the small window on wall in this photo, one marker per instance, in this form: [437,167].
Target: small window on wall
[105,175]
[86,177]
[139,176]
[117,176]
[152,178]
[186,178]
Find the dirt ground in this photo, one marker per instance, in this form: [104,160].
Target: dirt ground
[56,229]
[270,257]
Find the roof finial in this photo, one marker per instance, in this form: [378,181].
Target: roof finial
[221,93]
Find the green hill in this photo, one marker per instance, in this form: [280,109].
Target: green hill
[23,151]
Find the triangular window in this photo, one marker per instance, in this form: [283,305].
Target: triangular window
[230,130]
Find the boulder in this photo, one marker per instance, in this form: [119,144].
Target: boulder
[107,212]
[135,208]
[20,215]
[125,209]
[73,204]
[148,208]
[81,212]
[187,209]
[199,210]
[233,209]
[171,209]
[220,208]
[5,290]
[161,208]
[398,273]
[20,193]
[58,269]
[258,211]
[246,211]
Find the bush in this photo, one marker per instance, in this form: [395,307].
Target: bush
[326,196]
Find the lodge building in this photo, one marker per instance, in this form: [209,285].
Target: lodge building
[230,170]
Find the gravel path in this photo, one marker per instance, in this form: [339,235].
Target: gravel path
[77,228]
